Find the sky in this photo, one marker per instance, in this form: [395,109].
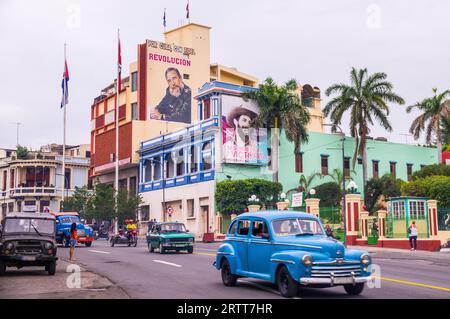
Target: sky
[315,42]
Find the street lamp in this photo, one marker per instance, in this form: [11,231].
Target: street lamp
[67,182]
[312,192]
[352,187]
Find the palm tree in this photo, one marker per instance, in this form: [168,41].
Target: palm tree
[366,98]
[305,183]
[436,111]
[280,106]
[338,176]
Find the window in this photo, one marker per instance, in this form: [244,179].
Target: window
[190,208]
[243,227]
[11,181]
[207,156]
[259,229]
[134,111]
[180,163]
[134,82]
[133,185]
[67,182]
[360,160]
[393,169]
[145,213]
[299,163]
[375,169]
[347,167]
[409,171]
[10,207]
[206,109]
[194,159]
[19,206]
[147,172]
[398,209]
[232,230]
[324,160]
[5,176]
[417,209]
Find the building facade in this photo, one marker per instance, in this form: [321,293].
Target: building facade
[181,169]
[149,102]
[33,182]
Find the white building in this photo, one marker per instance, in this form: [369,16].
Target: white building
[33,182]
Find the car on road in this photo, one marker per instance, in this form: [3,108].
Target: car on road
[170,236]
[291,250]
[28,239]
[64,221]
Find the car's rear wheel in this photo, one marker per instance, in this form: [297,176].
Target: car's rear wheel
[354,290]
[51,268]
[88,244]
[287,286]
[2,268]
[228,278]
[162,250]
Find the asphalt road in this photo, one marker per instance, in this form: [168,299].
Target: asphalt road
[191,276]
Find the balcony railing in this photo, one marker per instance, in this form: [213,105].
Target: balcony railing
[39,191]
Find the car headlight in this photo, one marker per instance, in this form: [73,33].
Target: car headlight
[307,260]
[365,259]
[9,246]
[48,246]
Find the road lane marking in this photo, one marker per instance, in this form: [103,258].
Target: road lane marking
[214,250]
[99,252]
[412,283]
[166,263]
[205,254]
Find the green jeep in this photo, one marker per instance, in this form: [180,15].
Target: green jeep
[170,236]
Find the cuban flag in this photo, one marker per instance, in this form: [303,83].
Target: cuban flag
[164,19]
[119,66]
[187,10]
[65,86]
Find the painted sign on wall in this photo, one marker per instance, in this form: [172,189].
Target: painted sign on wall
[242,143]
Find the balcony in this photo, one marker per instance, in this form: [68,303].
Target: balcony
[40,191]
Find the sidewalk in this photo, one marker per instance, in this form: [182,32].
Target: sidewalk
[405,254]
[35,283]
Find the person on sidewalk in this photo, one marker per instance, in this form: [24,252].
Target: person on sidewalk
[412,231]
[73,240]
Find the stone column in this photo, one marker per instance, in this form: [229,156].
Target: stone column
[381,224]
[312,206]
[364,230]
[352,213]
[432,218]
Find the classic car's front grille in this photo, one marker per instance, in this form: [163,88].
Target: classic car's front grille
[80,232]
[30,247]
[326,271]
[178,240]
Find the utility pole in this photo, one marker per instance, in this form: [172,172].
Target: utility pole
[18,125]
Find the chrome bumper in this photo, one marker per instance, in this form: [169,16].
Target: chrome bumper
[332,281]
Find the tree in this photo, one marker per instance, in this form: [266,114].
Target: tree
[281,107]
[445,133]
[330,194]
[80,201]
[435,112]
[387,186]
[338,177]
[103,202]
[305,183]
[432,170]
[22,152]
[367,99]
[433,187]
[128,205]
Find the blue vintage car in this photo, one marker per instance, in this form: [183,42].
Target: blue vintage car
[289,249]
[64,221]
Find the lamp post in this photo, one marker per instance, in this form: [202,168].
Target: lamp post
[312,192]
[67,182]
[353,187]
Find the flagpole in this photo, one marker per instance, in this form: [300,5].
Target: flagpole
[63,173]
[116,184]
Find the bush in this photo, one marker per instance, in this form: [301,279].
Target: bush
[233,195]
[432,187]
[432,170]
[329,194]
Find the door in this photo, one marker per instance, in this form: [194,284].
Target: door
[205,217]
[154,236]
[241,244]
[259,248]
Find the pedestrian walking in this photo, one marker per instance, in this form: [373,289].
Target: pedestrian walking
[73,240]
[412,231]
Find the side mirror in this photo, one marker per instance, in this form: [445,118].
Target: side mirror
[187,230]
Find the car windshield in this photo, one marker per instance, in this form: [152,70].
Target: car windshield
[297,226]
[27,225]
[70,219]
[178,228]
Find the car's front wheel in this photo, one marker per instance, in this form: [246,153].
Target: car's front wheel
[190,250]
[287,286]
[228,278]
[88,244]
[2,268]
[162,250]
[354,290]
[51,268]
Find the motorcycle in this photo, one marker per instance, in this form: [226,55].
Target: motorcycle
[129,239]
